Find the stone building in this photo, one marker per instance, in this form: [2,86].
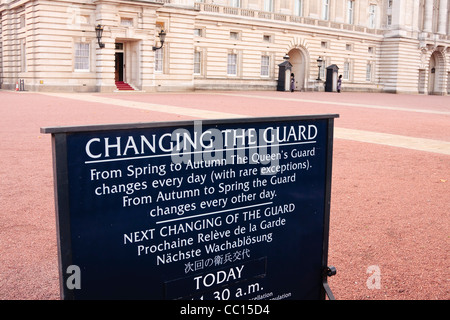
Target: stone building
[378,45]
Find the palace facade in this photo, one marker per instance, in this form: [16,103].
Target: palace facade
[377,45]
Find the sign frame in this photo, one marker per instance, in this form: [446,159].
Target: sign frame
[61,182]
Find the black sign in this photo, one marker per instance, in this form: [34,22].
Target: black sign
[226,209]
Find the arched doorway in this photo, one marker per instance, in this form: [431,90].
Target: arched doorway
[297,57]
[436,73]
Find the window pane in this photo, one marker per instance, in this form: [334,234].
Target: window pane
[298,7]
[82,56]
[268,5]
[372,16]
[159,57]
[236,3]
[232,67]
[265,62]
[350,12]
[368,72]
[197,62]
[346,75]
[325,9]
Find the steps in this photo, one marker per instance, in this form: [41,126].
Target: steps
[123,86]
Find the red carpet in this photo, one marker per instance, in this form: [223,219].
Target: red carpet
[123,86]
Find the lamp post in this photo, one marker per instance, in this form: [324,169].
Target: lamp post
[99,34]
[319,64]
[162,38]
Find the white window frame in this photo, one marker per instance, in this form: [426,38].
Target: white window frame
[235,35]
[265,66]
[159,60]
[369,71]
[235,3]
[350,11]
[298,8]
[232,64]
[346,73]
[23,56]
[388,20]
[82,57]
[198,32]
[323,71]
[372,16]
[197,62]
[126,22]
[267,38]
[325,9]
[22,21]
[268,5]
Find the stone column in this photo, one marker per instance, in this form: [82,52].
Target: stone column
[415,16]
[428,16]
[443,10]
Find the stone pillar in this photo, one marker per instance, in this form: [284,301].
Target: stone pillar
[443,10]
[415,16]
[105,15]
[428,16]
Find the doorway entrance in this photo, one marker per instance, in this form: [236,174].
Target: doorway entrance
[436,73]
[119,66]
[297,57]
[119,62]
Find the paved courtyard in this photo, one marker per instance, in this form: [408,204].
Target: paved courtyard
[390,200]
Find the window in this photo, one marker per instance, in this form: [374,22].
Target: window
[22,21]
[267,38]
[369,72]
[389,3]
[325,9]
[198,32]
[346,74]
[350,6]
[298,7]
[234,35]
[389,20]
[126,22]
[323,68]
[235,3]
[268,5]
[82,56]
[265,65]
[197,62]
[23,56]
[348,47]
[159,60]
[372,16]
[232,64]
[370,50]
[324,44]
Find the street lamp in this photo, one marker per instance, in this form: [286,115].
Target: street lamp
[99,33]
[319,64]
[286,57]
[162,38]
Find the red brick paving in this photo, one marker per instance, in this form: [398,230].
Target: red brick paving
[390,205]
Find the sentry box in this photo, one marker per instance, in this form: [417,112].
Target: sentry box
[216,209]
